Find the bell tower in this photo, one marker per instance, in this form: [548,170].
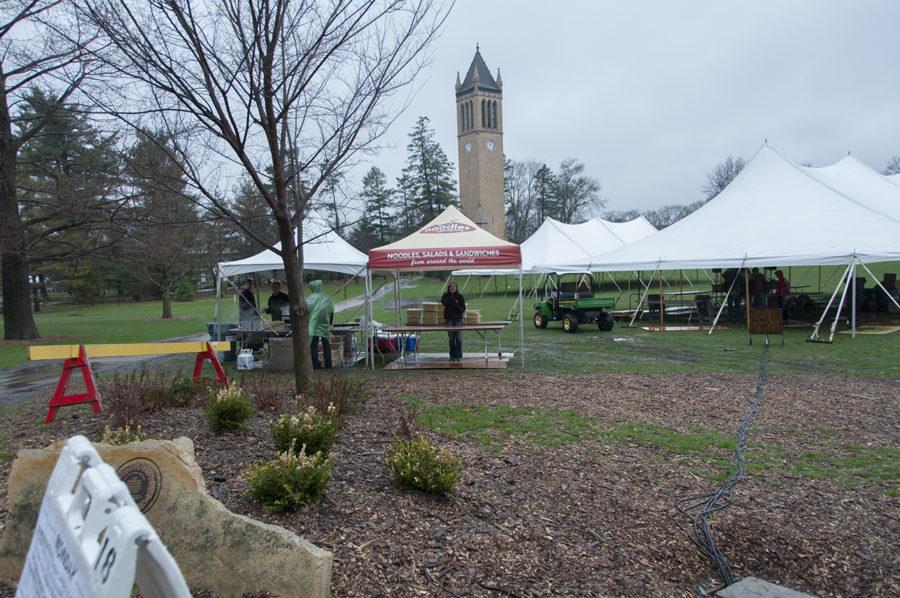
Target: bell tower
[479,130]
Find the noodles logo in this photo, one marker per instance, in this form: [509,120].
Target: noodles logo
[448,227]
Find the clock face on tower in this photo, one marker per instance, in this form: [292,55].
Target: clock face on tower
[489,145]
[468,147]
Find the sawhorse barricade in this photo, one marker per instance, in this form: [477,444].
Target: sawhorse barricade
[76,358]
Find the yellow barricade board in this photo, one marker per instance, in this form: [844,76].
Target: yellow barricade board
[47,352]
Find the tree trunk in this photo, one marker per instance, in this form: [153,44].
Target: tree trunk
[292,256]
[167,304]
[18,319]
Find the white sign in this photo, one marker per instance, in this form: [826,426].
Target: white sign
[90,537]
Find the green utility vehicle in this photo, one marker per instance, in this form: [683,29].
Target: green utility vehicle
[570,298]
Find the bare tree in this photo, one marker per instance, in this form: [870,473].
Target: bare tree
[721,176]
[522,210]
[893,166]
[30,58]
[577,194]
[289,91]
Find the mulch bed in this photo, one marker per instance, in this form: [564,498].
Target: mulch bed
[586,519]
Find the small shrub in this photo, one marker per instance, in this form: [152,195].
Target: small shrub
[122,435]
[342,394]
[291,480]
[310,431]
[228,409]
[266,391]
[183,391]
[128,397]
[419,465]
[185,291]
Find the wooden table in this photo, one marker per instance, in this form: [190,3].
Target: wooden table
[417,329]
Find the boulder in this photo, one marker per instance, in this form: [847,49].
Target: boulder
[217,550]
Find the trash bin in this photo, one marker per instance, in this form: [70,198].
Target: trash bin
[218,332]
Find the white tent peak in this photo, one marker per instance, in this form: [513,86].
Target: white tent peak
[863,184]
[773,212]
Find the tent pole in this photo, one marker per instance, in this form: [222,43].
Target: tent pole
[641,302]
[747,302]
[521,322]
[662,306]
[724,300]
[397,297]
[815,333]
[370,339]
[837,315]
[853,302]
[218,299]
[878,282]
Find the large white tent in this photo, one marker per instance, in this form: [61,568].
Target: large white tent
[555,240]
[773,212]
[858,181]
[323,249]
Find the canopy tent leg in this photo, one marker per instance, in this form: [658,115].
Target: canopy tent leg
[853,302]
[521,323]
[837,315]
[875,278]
[641,302]
[485,287]
[725,300]
[662,305]
[218,300]
[397,297]
[815,332]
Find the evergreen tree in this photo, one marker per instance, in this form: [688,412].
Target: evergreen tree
[428,176]
[377,226]
[68,194]
[545,194]
[163,226]
[253,212]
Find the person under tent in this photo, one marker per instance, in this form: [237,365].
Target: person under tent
[321,315]
[758,295]
[277,302]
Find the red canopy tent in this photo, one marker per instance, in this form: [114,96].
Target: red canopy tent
[449,242]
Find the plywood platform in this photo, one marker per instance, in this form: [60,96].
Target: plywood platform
[441,361]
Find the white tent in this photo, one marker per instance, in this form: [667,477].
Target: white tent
[323,249]
[450,240]
[555,240]
[773,212]
[857,180]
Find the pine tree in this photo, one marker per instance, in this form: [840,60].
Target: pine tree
[377,227]
[428,175]
[545,193]
[253,211]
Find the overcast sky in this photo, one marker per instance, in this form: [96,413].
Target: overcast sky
[651,95]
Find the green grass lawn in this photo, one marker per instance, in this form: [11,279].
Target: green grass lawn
[634,350]
[551,350]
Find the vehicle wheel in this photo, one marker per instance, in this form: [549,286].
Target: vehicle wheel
[570,323]
[539,320]
[605,322]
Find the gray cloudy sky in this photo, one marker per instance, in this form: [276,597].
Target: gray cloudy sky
[652,94]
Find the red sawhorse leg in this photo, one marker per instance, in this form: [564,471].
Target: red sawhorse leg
[211,356]
[90,394]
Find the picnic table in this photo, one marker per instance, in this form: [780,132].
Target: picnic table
[416,330]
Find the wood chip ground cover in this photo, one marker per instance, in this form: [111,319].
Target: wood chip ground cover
[586,514]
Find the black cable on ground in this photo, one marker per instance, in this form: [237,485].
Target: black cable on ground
[693,512]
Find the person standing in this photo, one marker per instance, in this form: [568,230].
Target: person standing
[757,288]
[247,303]
[734,286]
[782,291]
[321,315]
[454,308]
[277,301]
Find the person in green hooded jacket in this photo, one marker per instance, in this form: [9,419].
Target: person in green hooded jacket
[321,314]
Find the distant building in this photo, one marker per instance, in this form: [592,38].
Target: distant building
[479,115]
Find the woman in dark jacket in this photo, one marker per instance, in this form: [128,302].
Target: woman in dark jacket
[454,308]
